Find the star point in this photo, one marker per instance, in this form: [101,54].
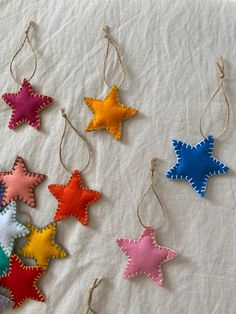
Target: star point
[19,184]
[145,256]
[10,228]
[26,105]
[108,113]
[73,199]
[21,281]
[41,246]
[196,164]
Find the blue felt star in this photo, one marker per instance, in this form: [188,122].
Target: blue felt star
[196,164]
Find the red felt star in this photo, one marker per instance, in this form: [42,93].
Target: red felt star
[21,281]
[74,199]
[26,105]
[19,184]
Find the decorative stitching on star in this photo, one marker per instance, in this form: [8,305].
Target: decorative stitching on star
[193,165]
[39,296]
[40,248]
[30,201]
[36,124]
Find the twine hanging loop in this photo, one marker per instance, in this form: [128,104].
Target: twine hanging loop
[110,41]
[221,87]
[67,121]
[26,40]
[151,187]
[96,283]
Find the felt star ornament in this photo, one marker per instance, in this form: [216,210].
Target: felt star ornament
[5,303]
[26,105]
[41,245]
[73,199]
[21,281]
[10,228]
[108,113]
[196,164]
[145,256]
[19,184]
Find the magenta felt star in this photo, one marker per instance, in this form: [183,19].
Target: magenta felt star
[145,256]
[26,105]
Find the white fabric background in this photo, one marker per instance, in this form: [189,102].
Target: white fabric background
[169,48]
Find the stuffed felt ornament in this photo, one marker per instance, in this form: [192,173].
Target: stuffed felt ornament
[41,246]
[109,113]
[19,184]
[74,198]
[21,281]
[145,256]
[26,104]
[197,163]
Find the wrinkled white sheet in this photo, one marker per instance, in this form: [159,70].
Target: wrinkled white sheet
[169,48]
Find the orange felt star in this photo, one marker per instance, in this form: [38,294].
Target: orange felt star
[73,199]
[108,113]
[19,184]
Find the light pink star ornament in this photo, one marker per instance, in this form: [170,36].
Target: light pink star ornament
[145,256]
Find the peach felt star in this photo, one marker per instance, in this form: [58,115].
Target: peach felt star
[40,245]
[19,184]
[21,281]
[26,105]
[73,199]
[108,113]
[145,256]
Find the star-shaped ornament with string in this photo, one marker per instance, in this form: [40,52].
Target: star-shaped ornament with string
[145,256]
[109,113]
[74,198]
[26,104]
[19,184]
[197,163]
[41,246]
[21,281]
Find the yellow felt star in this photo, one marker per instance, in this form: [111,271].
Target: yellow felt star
[41,245]
[108,113]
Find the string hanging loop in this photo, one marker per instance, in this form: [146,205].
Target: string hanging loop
[96,283]
[67,121]
[221,87]
[151,188]
[26,40]
[111,42]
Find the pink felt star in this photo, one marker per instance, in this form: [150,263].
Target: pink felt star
[145,256]
[26,105]
[19,184]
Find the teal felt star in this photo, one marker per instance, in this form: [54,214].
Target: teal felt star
[4,262]
[196,164]
[10,228]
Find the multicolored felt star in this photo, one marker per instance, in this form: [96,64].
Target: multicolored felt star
[21,281]
[108,113]
[4,263]
[19,184]
[10,228]
[5,303]
[26,105]
[196,164]
[145,256]
[41,245]
[73,199]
